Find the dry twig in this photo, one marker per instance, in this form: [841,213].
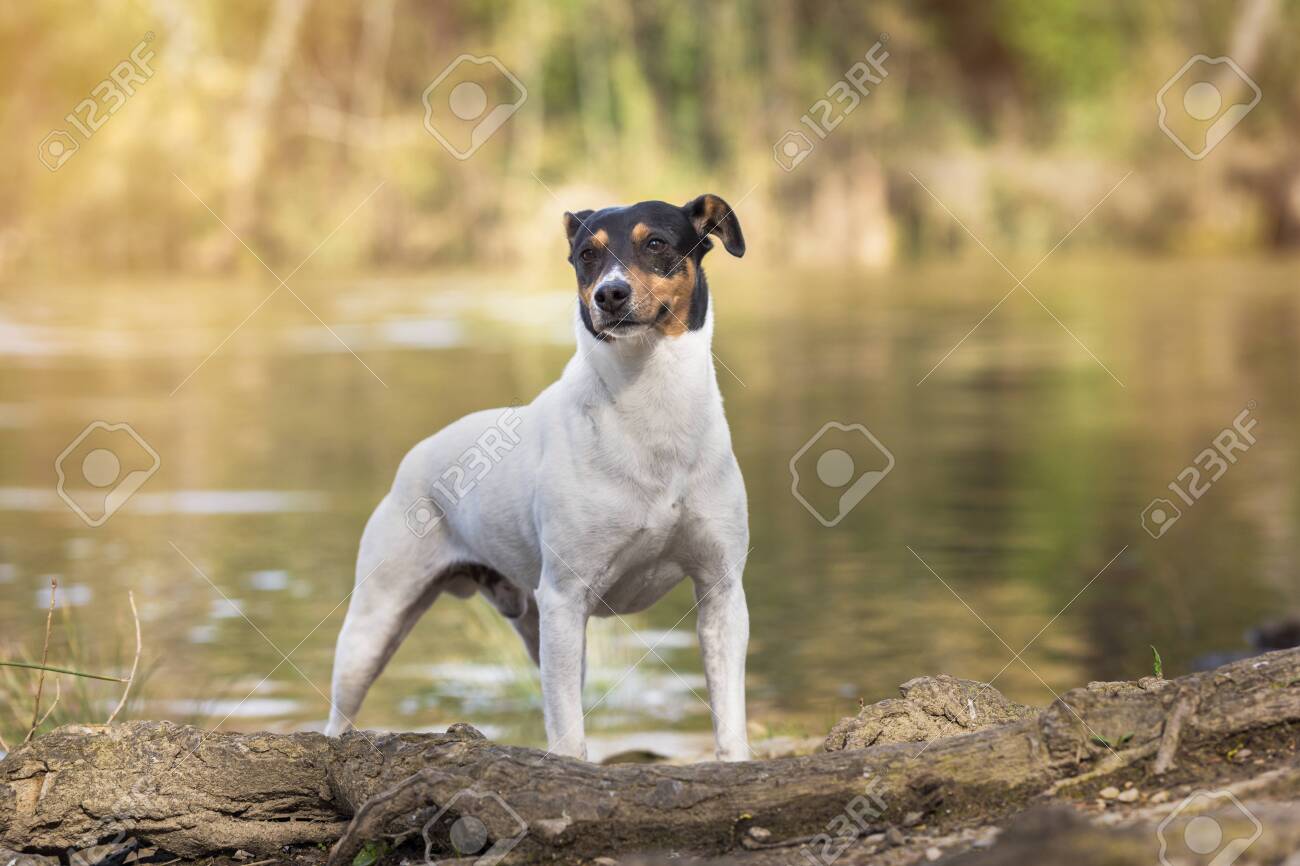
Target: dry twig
[134,665]
[58,693]
[45,657]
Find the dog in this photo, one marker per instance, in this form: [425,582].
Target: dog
[616,483]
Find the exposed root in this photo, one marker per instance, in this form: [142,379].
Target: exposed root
[1112,763]
[1184,708]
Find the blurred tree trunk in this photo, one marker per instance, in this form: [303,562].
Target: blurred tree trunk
[249,128]
[364,128]
[638,122]
[735,115]
[368,77]
[595,108]
[1276,182]
[1255,21]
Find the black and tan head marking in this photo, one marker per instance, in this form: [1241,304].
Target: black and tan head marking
[638,267]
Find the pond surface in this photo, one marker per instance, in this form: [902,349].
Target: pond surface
[1006,509]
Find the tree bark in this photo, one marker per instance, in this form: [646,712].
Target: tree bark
[196,794]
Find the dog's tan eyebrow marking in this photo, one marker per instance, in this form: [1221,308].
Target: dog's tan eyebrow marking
[640,232]
[600,238]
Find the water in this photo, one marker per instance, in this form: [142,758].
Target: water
[1021,467]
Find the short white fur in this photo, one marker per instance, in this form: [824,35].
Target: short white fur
[622,484]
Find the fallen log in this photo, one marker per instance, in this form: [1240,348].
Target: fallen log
[198,794]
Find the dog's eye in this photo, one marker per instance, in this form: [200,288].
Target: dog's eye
[655,245]
[588,255]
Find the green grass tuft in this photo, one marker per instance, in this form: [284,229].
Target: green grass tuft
[370,854]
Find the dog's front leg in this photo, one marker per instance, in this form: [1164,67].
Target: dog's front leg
[723,629]
[563,620]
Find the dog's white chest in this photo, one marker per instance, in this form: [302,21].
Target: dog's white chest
[645,560]
[659,532]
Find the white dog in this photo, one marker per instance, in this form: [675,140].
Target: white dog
[597,498]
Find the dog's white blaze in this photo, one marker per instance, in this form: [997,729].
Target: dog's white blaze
[615,274]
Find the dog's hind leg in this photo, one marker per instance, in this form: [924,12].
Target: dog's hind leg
[395,584]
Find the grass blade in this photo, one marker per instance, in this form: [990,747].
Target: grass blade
[55,670]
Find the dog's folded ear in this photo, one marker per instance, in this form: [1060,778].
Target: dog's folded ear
[712,216]
[573,222]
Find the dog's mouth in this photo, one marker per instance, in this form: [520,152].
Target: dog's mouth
[629,323]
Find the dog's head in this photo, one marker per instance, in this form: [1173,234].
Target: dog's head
[638,266]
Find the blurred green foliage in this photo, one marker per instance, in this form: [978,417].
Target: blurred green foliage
[282,116]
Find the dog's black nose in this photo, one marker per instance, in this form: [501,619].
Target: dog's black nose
[612,296]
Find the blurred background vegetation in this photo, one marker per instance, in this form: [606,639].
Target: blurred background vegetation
[1029,437]
[283,115]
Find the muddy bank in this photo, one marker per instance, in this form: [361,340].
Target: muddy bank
[949,771]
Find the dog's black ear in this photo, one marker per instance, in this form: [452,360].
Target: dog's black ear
[712,216]
[573,222]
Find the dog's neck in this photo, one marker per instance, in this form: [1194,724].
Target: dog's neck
[654,383]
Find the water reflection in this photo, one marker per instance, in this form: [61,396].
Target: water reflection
[1022,469]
